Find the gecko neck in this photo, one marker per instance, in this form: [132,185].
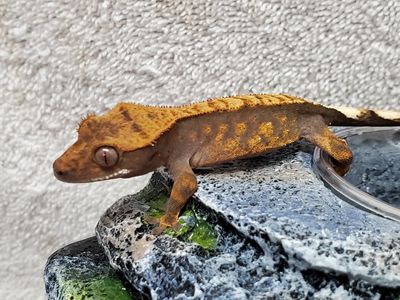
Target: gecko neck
[145,160]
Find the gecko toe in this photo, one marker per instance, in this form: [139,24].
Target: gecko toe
[157,230]
[151,220]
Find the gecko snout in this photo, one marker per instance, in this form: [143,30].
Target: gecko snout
[60,172]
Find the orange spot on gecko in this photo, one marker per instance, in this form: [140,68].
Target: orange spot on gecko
[220,133]
[240,128]
[206,129]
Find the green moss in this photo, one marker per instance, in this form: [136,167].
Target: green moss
[205,235]
[187,223]
[157,205]
[194,225]
[99,288]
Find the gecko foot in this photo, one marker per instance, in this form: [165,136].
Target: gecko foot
[340,168]
[166,222]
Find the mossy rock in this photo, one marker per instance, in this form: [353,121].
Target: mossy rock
[81,271]
[195,225]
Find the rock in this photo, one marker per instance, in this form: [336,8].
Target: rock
[278,232]
[277,196]
[81,271]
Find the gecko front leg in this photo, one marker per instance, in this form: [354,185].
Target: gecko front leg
[185,185]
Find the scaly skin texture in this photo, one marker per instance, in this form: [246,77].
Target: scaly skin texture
[134,139]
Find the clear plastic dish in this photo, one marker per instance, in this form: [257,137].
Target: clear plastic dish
[373,183]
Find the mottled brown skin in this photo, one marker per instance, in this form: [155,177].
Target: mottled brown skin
[201,134]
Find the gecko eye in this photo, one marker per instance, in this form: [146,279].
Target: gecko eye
[106,156]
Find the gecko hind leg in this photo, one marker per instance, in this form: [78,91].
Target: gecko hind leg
[335,147]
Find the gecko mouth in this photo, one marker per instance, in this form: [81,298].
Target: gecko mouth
[68,174]
[117,174]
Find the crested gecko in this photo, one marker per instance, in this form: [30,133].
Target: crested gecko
[134,139]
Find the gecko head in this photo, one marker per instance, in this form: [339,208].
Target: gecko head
[83,163]
[108,146]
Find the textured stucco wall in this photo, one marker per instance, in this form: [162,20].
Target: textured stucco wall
[62,59]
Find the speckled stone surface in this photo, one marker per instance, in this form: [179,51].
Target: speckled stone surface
[281,233]
[81,271]
[279,196]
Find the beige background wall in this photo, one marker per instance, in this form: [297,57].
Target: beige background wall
[60,60]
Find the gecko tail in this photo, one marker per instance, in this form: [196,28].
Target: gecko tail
[348,116]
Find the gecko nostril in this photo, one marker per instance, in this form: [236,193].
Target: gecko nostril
[59,171]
